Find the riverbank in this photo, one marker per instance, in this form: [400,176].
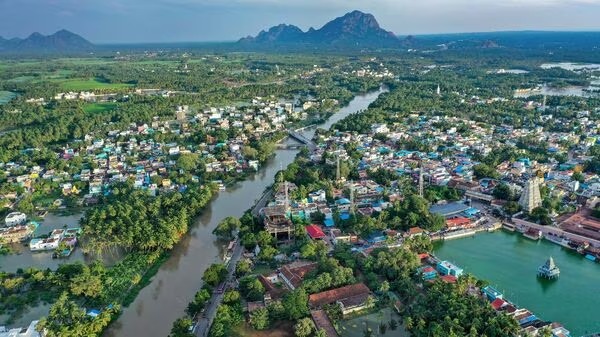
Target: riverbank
[177,280]
[509,262]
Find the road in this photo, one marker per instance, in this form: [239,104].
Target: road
[262,202]
[205,320]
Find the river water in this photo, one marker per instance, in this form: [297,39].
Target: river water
[509,262]
[161,302]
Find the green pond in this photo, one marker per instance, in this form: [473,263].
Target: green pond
[509,262]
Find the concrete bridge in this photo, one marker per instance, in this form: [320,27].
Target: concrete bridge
[299,137]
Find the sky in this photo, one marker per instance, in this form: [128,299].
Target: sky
[122,21]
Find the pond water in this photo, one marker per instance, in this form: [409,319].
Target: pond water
[509,262]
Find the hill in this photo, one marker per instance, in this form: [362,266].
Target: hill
[354,29]
[61,42]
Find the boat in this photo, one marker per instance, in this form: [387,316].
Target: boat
[48,243]
[548,270]
[533,234]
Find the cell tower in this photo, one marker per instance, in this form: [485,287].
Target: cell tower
[439,90]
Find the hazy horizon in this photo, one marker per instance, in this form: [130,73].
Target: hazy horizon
[160,21]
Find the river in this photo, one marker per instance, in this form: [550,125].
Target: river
[164,300]
[509,262]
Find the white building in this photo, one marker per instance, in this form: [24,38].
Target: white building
[15,218]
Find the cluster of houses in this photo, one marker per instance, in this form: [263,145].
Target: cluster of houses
[133,154]
[350,298]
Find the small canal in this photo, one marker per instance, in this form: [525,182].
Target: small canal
[509,262]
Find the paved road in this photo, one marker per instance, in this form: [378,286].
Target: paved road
[205,320]
[262,202]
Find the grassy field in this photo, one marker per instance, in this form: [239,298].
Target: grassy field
[91,84]
[355,327]
[99,107]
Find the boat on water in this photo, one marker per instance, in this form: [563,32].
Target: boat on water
[549,270]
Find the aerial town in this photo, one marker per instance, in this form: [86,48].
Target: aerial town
[365,185]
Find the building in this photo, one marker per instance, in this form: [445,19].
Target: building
[531,197]
[315,232]
[276,221]
[322,322]
[447,268]
[15,218]
[293,274]
[29,331]
[350,298]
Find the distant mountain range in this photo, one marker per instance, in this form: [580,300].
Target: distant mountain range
[61,42]
[354,29]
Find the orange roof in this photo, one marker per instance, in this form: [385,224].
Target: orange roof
[333,295]
[449,278]
[454,222]
[415,230]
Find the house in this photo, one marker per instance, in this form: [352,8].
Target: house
[337,236]
[293,274]
[315,232]
[414,231]
[447,268]
[458,223]
[350,298]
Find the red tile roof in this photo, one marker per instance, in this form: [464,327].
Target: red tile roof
[333,295]
[455,222]
[498,303]
[315,232]
[296,271]
[449,278]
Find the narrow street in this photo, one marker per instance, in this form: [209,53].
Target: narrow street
[205,319]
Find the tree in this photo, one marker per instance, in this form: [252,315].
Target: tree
[231,297]
[251,288]
[512,207]
[214,274]
[296,304]
[503,191]
[259,319]
[242,268]
[321,333]
[304,327]
[225,228]
[187,161]
[485,171]
[384,287]
[200,299]
[181,328]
